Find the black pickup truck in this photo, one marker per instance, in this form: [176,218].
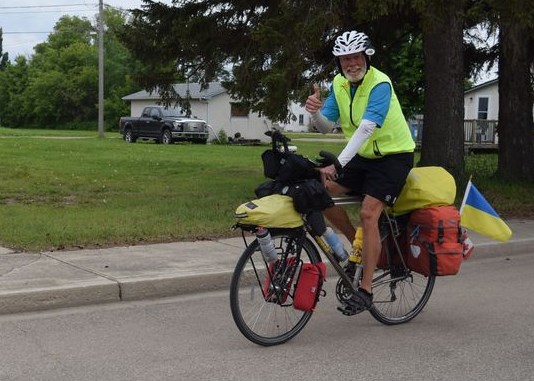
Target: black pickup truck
[164,125]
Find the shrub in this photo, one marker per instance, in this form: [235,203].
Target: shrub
[222,138]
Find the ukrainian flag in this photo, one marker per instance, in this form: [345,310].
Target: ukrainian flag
[478,215]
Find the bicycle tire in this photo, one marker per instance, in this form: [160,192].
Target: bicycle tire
[399,301]
[265,322]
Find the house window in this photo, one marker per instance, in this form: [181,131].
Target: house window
[483,103]
[238,109]
[301,119]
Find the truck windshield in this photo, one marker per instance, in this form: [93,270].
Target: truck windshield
[170,112]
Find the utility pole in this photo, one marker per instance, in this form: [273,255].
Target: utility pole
[101,68]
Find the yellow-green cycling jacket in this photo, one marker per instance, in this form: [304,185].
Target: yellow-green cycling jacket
[392,137]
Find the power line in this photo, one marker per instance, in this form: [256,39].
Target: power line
[26,32]
[49,11]
[57,11]
[43,6]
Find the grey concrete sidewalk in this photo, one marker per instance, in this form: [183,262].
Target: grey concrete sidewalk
[30,282]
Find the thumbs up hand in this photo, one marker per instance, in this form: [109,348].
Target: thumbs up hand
[314,103]
[316,91]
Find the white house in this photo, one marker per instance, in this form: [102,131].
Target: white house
[481,111]
[300,119]
[481,108]
[481,114]
[220,111]
[482,101]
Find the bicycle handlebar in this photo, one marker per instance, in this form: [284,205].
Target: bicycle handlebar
[327,158]
[276,138]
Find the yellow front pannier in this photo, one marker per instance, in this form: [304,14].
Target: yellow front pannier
[426,186]
[274,211]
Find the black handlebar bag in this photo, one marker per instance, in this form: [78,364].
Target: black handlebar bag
[287,167]
[309,195]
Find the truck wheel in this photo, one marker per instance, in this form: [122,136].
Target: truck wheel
[128,136]
[166,137]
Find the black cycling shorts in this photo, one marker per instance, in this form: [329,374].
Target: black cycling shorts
[381,178]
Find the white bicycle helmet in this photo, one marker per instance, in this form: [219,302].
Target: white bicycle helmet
[352,42]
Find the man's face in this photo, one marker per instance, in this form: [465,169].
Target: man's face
[353,66]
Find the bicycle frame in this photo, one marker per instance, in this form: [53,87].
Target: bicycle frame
[327,251]
[391,235]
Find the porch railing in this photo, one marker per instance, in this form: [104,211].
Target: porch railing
[476,131]
[481,131]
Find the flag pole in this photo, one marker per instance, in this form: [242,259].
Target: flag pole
[467,189]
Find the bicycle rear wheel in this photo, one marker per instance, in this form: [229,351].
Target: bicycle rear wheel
[262,304]
[399,294]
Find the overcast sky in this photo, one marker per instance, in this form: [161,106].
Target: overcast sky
[25,23]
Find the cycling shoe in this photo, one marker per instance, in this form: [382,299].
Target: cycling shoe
[359,302]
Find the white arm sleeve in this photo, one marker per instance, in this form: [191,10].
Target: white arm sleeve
[362,133]
[322,123]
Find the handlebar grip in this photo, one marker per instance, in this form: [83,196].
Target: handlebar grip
[278,137]
[330,158]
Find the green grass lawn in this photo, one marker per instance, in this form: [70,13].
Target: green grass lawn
[18,132]
[58,193]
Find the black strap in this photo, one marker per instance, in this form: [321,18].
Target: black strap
[433,259]
[322,278]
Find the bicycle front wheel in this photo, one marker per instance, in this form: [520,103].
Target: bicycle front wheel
[261,295]
[400,294]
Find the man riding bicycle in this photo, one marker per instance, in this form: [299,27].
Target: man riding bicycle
[378,155]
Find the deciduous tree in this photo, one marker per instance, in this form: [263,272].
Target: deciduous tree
[14,79]
[63,91]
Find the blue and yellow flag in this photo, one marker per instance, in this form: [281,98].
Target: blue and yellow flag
[478,215]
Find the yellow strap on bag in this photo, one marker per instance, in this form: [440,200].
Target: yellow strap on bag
[426,186]
[274,211]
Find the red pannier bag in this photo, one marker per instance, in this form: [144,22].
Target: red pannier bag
[309,286]
[435,241]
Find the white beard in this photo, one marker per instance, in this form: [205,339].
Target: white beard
[355,77]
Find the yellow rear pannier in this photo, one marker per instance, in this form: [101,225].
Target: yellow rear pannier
[426,186]
[274,211]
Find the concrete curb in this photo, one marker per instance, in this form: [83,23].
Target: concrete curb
[494,250]
[61,297]
[152,288]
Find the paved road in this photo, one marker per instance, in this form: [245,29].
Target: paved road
[477,326]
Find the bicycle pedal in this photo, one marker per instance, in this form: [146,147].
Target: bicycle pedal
[344,311]
[351,312]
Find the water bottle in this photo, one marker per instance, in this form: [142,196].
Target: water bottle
[335,244]
[355,257]
[266,244]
